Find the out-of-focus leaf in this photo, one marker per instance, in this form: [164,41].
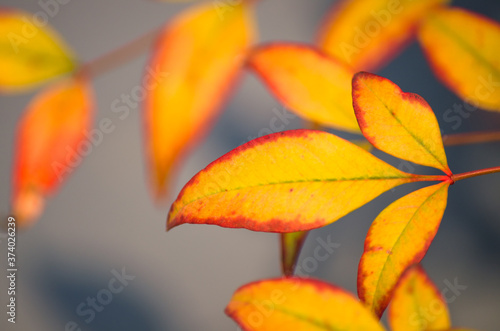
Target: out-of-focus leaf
[398,238]
[298,304]
[30,52]
[398,123]
[291,244]
[308,82]
[52,138]
[286,182]
[417,304]
[193,68]
[368,34]
[463,50]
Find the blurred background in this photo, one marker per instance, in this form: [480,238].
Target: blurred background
[103,222]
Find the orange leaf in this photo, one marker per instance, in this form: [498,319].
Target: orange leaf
[368,34]
[31,53]
[417,304]
[398,238]
[286,182]
[291,244]
[50,143]
[195,64]
[398,123]
[298,304]
[462,48]
[316,87]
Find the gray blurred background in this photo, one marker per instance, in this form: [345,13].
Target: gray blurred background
[103,219]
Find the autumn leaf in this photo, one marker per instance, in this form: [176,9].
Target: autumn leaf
[30,53]
[298,304]
[313,85]
[398,123]
[368,34]
[286,182]
[51,139]
[462,48]
[398,238]
[417,304]
[196,61]
[291,244]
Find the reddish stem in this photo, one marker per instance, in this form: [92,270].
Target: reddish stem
[470,138]
[432,178]
[120,55]
[475,173]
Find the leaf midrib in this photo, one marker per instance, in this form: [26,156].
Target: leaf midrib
[416,138]
[409,178]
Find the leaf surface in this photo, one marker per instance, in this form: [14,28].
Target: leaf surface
[52,138]
[291,243]
[308,82]
[398,123]
[29,53]
[417,304]
[368,34]
[194,66]
[285,182]
[298,304]
[398,238]
[462,48]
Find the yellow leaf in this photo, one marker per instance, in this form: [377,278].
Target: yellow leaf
[398,123]
[306,81]
[286,182]
[368,34]
[291,244]
[417,304]
[30,52]
[462,48]
[193,68]
[52,138]
[398,238]
[300,305]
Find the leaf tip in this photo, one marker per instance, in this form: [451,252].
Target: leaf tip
[171,222]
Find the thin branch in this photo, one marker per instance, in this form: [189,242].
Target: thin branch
[475,173]
[470,138]
[121,55]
